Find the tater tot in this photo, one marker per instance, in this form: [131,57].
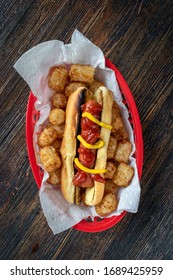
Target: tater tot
[111,168]
[107,205]
[49,158]
[123,151]
[110,187]
[95,85]
[57,78]
[123,175]
[118,128]
[111,147]
[59,100]
[47,137]
[81,73]
[55,177]
[117,122]
[59,129]
[71,87]
[57,116]
[56,144]
[122,134]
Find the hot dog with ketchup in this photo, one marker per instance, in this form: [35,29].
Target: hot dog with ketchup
[84,145]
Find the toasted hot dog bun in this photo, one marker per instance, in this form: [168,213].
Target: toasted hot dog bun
[93,195]
[69,143]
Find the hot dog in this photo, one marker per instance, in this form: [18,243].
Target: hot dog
[88,156]
[84,145]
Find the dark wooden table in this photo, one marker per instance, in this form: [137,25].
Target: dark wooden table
[136,37]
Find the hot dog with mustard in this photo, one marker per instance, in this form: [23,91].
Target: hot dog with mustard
[84,145]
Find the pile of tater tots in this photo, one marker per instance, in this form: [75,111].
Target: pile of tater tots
[64,81]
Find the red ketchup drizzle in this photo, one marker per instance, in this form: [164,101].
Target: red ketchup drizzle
[90,132]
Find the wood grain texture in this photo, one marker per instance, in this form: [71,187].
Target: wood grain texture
[137,37]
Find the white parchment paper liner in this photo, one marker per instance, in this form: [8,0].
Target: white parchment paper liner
[34,66]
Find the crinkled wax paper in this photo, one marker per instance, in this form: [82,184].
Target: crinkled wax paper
[34,66]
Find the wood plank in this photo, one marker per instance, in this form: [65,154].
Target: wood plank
[137,37]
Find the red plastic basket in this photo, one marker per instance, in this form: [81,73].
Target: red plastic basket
[31,118]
